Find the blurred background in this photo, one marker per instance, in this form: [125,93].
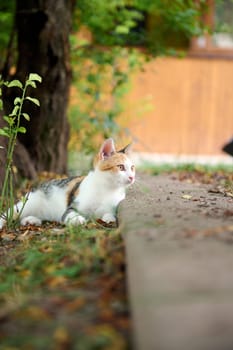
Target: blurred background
[178,99]
[155,73]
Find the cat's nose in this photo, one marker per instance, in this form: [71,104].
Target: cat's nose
[131,178]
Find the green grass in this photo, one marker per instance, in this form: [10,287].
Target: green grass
[63,289]
[219,176]
[156,169]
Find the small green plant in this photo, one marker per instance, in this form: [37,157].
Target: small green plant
[11,130]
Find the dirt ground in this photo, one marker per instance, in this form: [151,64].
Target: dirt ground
[178,231]
[182,204]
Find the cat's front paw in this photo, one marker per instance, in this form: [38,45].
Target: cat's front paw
[74,219]
[108,218]
[30,220]
[2,223]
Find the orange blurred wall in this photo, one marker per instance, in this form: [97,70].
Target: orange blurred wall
[181,106]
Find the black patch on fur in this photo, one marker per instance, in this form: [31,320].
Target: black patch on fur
[125,149]
[46,187]
[68,210]
[72,193]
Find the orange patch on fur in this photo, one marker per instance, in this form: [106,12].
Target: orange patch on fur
[112,162]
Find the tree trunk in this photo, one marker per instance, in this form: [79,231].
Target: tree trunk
[43,29]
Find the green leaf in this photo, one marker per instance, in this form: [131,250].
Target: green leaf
[17,100]
[9,120]
[1,104]
[35,76]
[26,116]
[33,100]
[4,132]
[122,29]
[15,111]
[15,83]
[31,83]
[22,130]
[70,272]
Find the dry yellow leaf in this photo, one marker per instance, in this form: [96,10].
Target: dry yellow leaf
[56,281]
[186,196]
[37,313]
[25,273]
[61,335]
[75,304]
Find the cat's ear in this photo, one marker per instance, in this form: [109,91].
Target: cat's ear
[126,149]
[107,149]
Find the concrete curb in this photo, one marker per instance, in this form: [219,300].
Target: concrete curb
[180,286]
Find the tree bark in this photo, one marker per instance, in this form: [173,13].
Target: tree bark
[43,28]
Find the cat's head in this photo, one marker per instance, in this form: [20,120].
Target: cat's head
[115,163]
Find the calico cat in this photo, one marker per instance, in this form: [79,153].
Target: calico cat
[75,200]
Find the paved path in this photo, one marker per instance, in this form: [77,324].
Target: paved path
[180,265]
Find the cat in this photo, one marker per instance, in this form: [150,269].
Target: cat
[75,200]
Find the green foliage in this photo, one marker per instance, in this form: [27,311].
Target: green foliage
[111,22]
[223,17]
[99,89]
[104,59]
[151,23]
[11,130]
[7,9]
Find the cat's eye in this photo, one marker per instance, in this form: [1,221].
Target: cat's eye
[121,167]
[132,168]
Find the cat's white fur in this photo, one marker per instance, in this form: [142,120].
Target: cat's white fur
[38,208]
[99,194]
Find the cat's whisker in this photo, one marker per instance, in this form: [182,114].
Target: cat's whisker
[140,185]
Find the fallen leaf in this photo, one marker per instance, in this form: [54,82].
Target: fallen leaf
[58,231]
[25,233]
[34,313]
[75,304]
[214,190]
[54,282]
[46,249]
[25,273]
[105,224]
[61,335]
[228,213]
[114,338]
[8,237]
[228,194]
[186,196]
